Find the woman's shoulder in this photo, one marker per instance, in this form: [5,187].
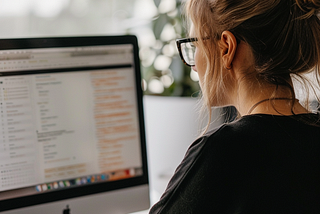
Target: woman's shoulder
[224,157]
[266,121]
[260,128]
[242,126]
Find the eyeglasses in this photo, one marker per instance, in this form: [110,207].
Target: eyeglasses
[187,50]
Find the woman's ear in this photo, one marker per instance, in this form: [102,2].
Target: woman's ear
[228,48]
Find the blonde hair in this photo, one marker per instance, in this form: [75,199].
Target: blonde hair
[284,36]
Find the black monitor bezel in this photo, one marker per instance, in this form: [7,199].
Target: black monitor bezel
[56,42]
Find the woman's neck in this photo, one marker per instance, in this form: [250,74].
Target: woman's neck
[267,100]
[251,95]
[277,106]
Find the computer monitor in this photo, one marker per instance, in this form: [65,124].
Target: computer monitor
[72,128]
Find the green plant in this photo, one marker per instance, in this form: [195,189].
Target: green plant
[166,75]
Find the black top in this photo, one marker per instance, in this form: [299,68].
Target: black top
[257,164]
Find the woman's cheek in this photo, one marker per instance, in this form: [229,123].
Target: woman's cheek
[199,64]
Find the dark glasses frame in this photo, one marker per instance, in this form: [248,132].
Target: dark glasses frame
[194,39]
[184,40]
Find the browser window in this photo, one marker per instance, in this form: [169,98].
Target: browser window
[68,118]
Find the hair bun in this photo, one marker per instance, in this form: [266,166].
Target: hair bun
[309,7]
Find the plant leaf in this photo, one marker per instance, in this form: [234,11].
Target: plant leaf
[159,24]
[157,2]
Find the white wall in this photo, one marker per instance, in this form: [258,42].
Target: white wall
[171,126]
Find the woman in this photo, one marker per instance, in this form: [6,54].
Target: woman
[247,54]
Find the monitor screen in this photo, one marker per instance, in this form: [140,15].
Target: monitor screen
[72,127]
